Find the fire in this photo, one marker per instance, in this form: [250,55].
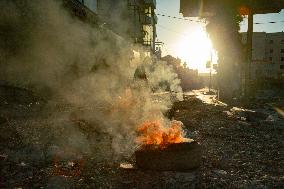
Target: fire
[154,132]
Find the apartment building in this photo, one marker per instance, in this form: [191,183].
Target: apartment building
[134,20]
[267,55]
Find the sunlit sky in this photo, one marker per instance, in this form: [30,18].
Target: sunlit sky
[188,40]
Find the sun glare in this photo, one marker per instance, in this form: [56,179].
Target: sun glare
[195,49]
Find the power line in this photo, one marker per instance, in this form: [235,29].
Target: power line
[200,21]
[176,32]
[180,18]
[258,23]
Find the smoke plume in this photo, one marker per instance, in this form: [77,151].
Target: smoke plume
[45,49]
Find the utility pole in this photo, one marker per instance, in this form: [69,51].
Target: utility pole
[249,53]
[210,79]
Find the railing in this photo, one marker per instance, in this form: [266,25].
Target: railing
[151,3]
[81,10]
[146,20]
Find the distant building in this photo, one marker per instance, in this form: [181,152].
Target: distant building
[132,19]
[189,78]
[86,10]
[267,56]
[135,19]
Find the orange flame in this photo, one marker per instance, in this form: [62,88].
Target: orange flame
[154,132]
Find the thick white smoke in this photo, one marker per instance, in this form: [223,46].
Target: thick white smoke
[90,68]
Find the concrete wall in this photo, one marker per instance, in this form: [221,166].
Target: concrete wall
[258,45]
[274,43]
[268,55]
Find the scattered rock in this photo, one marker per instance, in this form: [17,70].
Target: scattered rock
[220,172]
[255,116]
[3,157]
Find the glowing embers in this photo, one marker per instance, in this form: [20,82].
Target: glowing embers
[156,133]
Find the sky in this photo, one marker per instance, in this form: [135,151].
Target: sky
[188,40]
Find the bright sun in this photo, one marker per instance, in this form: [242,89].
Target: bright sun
[195,49]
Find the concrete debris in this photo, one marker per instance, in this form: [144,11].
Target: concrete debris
[238,150]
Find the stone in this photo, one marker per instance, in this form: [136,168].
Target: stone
[255,116]
[220,172]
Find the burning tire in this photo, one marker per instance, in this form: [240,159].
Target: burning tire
[174,157]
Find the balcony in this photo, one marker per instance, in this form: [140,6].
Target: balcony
[152,3]
[146,20]
[81,11]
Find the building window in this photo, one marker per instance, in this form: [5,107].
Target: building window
[271,41]
[282,59]
[271,50]
[282,41]
[282,50]
[281,67]
[270,58]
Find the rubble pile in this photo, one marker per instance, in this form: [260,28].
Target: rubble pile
[236,152]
